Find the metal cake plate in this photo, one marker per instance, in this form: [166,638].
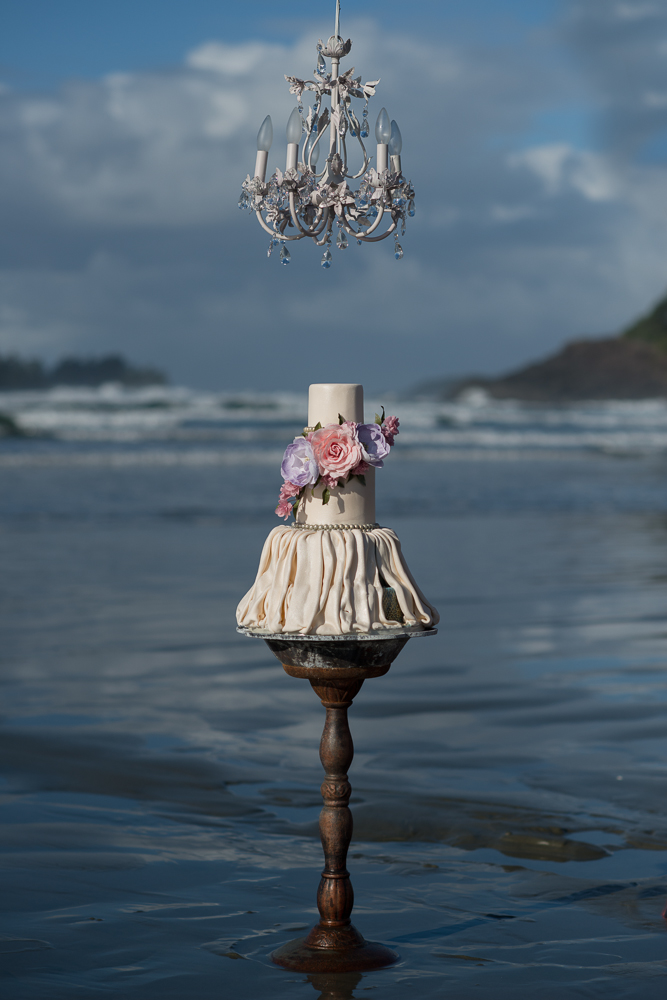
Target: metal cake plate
[394,633]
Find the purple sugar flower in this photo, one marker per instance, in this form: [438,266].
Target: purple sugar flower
[299,465]
[373,444]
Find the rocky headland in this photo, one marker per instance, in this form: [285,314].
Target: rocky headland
[632,365]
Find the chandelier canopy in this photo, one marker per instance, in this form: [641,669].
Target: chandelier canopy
[301,201]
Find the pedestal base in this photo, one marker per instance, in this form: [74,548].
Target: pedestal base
[336,668]
[299,957]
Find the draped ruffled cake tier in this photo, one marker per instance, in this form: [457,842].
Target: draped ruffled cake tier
[331,583]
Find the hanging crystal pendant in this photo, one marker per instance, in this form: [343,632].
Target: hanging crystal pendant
[326,258]
[285,256]
[341,240]
[411,208]
[398,249]
[272,243]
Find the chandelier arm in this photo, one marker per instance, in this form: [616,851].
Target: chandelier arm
[310,153]
[317,226]
[330,218]
[276,232]
[295,217]
[265,225]
[283,225]
[364,238]
[376,239]
[367,158]
[378,220]
[347,224]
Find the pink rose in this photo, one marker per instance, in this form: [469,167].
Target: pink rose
[359,470]
[284,509]
[289,490]
[390,429]
[336,448]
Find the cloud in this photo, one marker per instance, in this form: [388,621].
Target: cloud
[560,167]
[123,232]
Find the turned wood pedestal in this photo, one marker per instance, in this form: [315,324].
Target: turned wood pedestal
[336,669]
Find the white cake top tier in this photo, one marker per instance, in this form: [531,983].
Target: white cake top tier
[328,399]
[353,503]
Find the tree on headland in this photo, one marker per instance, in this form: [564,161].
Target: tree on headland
[651,328]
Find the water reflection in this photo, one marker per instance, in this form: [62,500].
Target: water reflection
[336,987]
[162,777]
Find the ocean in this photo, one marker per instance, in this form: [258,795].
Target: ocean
[160,772]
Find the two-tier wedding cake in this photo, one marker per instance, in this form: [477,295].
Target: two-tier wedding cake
[335,571]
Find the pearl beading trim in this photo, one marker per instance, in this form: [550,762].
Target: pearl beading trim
[336,527]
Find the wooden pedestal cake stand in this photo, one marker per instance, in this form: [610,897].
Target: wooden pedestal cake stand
[336,667]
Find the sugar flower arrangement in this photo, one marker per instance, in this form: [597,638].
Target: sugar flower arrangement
[333,455]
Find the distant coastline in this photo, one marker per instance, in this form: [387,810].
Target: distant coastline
[18,374]
[632,365]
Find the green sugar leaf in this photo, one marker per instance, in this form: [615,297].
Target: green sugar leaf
[326,495]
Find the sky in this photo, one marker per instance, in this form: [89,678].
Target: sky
[535,134]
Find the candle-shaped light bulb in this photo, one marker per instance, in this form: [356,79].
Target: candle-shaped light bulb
[294,127]
[265,135]
[264,140]
[383,127]
[395,140]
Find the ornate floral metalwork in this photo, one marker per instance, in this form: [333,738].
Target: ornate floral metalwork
[302,202]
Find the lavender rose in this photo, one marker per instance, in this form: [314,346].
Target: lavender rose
[373,443]
[299,465]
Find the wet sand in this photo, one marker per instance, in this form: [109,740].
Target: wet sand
[161,781]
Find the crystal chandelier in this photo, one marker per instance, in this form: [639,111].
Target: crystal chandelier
[300,201]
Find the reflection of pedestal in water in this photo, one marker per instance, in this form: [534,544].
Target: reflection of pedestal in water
[336,669]
[339,986]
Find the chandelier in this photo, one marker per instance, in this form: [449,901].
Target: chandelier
[301,202]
